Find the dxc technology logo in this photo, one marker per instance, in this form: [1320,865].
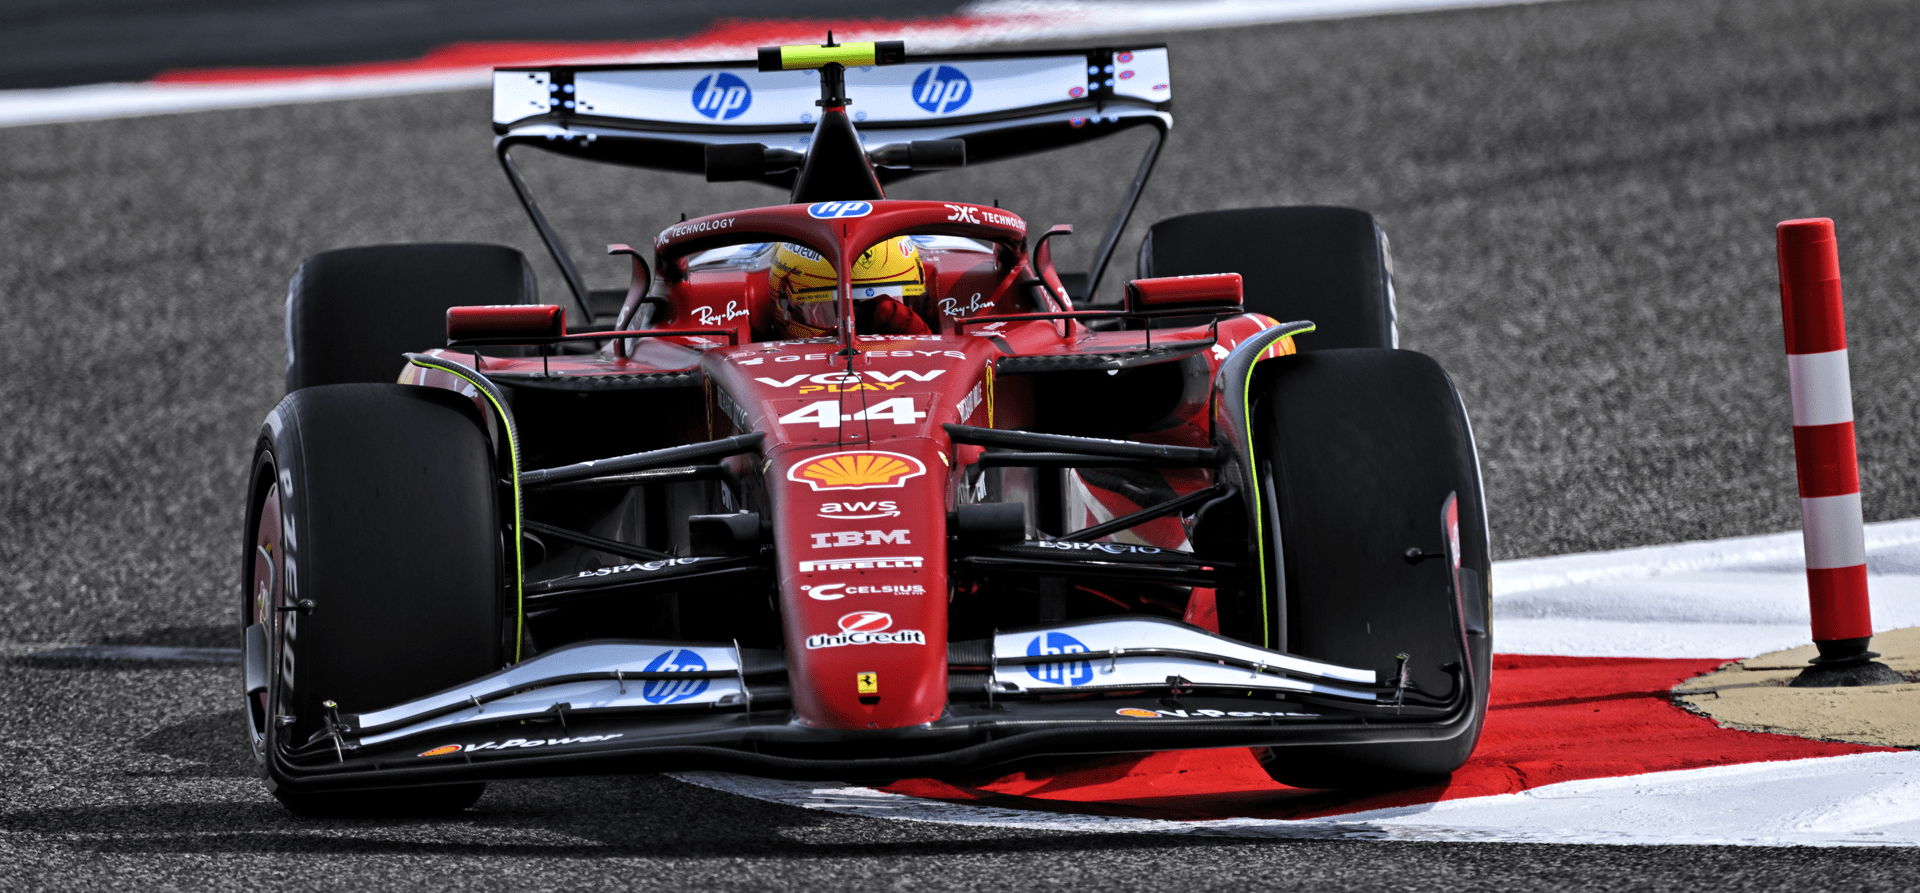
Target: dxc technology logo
[1075,672]
[942,89]
[722,96]
[667,691]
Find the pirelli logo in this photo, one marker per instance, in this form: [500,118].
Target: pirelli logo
[859,564]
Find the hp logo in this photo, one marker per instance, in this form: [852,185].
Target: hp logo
[722,96]
[942,89]
[667,691]
[1078,672]
[836,210]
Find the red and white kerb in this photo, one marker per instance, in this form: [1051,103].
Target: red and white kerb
[1823,444]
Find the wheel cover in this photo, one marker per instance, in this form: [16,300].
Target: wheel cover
[263,598]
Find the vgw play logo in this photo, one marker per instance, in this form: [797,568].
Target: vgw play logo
[941,89]
[722,96]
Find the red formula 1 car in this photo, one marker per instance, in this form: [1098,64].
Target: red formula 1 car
[851,487]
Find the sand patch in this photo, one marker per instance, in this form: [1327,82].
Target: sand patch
[1752,694]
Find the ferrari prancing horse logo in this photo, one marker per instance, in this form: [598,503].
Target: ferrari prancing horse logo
[867,683]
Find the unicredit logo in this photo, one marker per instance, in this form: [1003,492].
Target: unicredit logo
[867,628]
[866,622]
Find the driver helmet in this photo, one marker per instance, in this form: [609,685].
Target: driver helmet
[803,285]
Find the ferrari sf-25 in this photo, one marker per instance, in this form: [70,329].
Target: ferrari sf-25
[854,487]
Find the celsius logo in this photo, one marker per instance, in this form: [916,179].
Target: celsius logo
[722,96]
[1078,672]
[667,691]
[942,89]
[835,210]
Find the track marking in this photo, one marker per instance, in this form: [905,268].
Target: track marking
[470,65]
[1861,800]
[138,653]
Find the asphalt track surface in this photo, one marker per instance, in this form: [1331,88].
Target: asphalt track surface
[57,43]
[1581,196]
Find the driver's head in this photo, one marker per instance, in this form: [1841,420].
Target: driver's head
[887,273]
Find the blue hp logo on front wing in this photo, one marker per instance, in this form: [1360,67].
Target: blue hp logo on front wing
[1073,672]
[722,96]
[942,89]
[668,691]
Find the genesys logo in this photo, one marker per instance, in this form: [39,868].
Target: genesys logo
[857,470]
[841,538]
[861,564]
[722,96]
[512,743]
[827,592]
[942,89]
[871,355]
[867,628]
[859,511]
[1143,713]
[837,210]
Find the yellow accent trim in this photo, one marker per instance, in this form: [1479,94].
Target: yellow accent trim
[513,452]
[1253,480]
[849,54]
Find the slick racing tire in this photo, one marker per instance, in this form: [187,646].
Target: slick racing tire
[1357,451]
[372,573]
[1329,265]
[352,312]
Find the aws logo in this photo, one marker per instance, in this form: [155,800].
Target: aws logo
[942,89]
[722,96]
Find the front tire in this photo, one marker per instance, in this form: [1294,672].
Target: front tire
[1359,451]
[373,572]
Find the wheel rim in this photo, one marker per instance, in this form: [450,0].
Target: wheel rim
[264,595]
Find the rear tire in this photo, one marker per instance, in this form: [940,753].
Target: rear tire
[1360,449]
[377,504]
[352,312]
[1325,264]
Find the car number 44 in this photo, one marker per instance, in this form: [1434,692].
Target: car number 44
[826,413]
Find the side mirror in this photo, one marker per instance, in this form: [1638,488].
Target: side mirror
[1211,290]
[506,324]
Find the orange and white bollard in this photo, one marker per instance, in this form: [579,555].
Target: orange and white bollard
[1823,442]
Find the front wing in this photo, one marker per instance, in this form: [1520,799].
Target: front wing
[1101,686]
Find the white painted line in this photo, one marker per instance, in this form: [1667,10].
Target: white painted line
[1822,391]
[140,653]
[978,25]
[1528,574]
[1860,800]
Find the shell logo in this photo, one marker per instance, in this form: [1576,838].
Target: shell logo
[1135,711]
[442,750]
[857,470]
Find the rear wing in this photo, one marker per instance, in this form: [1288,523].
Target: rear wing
[1002,105]
[663,116]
